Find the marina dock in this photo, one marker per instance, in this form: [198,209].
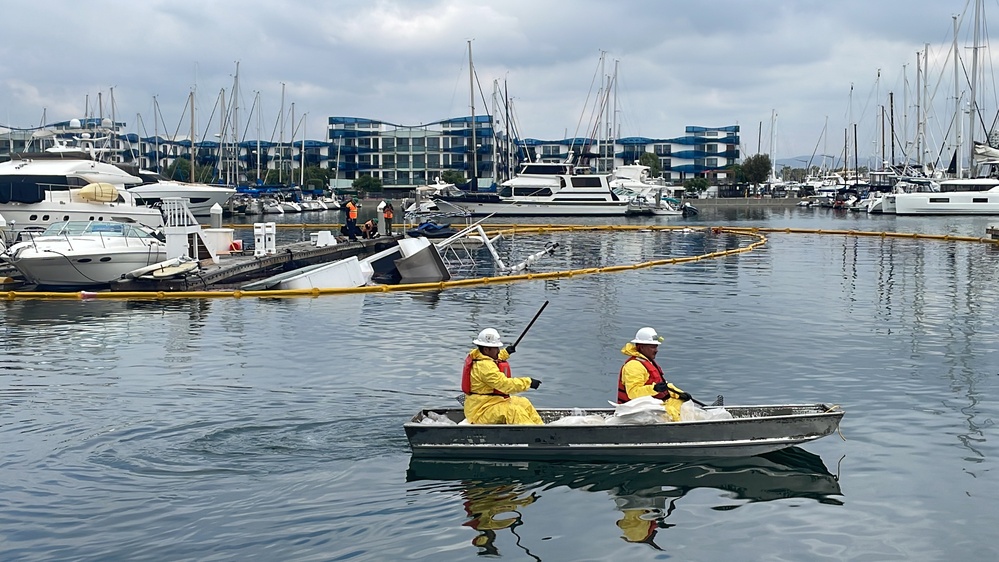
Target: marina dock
[235,269]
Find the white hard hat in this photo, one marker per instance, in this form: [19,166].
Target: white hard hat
[488,338]
[647,336]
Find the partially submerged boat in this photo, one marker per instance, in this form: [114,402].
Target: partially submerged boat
[753,430]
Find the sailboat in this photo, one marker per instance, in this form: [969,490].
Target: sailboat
[962,196]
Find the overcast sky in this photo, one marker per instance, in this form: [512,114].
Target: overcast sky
[681,63]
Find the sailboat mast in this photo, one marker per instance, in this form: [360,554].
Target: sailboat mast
[190,177]
[471,97]
[256,104]
[281,139]
[957,106]
[973,109]
[301,172]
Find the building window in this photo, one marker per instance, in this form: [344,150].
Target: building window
[712,162]
[402,161]
[402,144]
[433,160]
[419,161]
[419,143]
[388,143]
[663,149]
[434,143]
[388,160]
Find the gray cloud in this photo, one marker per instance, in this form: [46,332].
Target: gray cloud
[681,63]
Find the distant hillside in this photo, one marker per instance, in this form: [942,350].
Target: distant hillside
[802,161]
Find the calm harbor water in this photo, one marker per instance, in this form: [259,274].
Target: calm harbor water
[271,429]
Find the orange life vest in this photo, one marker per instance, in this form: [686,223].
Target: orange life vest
[387,213]
[655,376]
[466,375]
[351,211]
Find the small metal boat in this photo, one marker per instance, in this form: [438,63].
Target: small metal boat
[753,430]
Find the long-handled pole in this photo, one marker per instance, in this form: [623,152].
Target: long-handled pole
[524,333]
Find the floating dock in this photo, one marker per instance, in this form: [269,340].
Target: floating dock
[234,269]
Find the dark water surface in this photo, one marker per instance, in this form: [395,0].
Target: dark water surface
[258,429]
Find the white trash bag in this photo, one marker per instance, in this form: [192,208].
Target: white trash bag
[433,418]
[692,412]
[580,417]
[645,410]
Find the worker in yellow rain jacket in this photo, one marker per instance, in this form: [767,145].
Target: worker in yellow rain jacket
[642,376]
[489,386]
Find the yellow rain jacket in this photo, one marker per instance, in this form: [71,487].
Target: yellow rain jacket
[634,377]
[484,407]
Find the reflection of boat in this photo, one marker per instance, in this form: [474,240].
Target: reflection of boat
[789,473]
[752,430]
[85,253]
[501,495]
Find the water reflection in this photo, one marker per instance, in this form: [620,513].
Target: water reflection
[496,494]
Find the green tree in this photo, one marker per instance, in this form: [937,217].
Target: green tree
[180,170]
[652,161]
[756,168]
[366,184]
[695,185]
[451,176]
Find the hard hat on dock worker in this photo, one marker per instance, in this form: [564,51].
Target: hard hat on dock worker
[647,336]
[488,338]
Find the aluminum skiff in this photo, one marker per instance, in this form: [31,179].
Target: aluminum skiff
[753,430]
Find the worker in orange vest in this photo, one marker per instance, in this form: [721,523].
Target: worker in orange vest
[352,219]
[388,213]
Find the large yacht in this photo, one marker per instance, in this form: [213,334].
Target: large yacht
[969,196]
[200,196]
[546,189]
[41,188]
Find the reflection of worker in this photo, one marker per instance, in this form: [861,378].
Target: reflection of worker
[642,376]
[491,508]
[642,517]
[488,385]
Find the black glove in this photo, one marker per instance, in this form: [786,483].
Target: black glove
[535,383]
[511,349]
[683,396]
[661,386]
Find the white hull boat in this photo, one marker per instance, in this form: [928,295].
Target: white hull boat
[545,189]
[85,253]
[200,197]
[39,189]
[978,196]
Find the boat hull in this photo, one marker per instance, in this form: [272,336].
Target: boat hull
[948,203]
[753,430]
[85,269]
[200,197]
[517,208]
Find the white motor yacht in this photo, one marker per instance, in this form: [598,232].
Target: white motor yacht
[42,188]
[85,253]
[973,196]
[200,196]
[546,189]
